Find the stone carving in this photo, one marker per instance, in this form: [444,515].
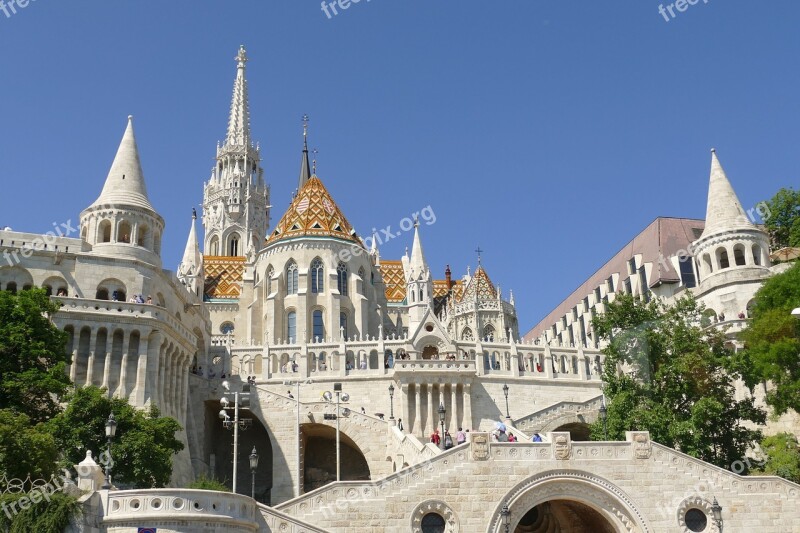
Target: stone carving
[562,446]
[440,508]
[641,445]
[479,446]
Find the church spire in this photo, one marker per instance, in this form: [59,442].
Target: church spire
[305,169]
[724,211]
[125,181]
[239,121]
[190,269]
[417,263]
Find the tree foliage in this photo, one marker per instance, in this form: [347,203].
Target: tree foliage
[50,515]
[144,445]
[32,355]
[782,456]
[208,483]
[772,341]
[25,449]
[783,222]
[666,374]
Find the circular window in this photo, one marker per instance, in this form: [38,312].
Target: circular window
[433,523]
[696,520]
[429,327]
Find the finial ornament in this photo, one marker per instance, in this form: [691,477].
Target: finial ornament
[194,214]
[314,162]
[241,57]
[479,252]
[305,125]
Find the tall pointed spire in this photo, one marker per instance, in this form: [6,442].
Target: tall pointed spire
[305,169]
[417,262]
[239,121]
[190,269]
[724,211]
[125,181]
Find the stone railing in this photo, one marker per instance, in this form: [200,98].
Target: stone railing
[536,421]
[196,508]
[434,365]
[411,449]
[278,521]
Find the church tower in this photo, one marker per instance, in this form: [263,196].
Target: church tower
[419,283]
[236,198]
[122,222]
[732,254]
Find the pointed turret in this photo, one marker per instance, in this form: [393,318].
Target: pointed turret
[239,121]
[724,211]
[417,264]
[191,267]
[305,168]
[125,181]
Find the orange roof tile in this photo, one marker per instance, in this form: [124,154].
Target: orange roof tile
[395,280]
[223,276]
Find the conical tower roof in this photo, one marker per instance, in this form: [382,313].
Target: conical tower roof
[479,285]
[417,263]
[191,255]
[125,182]
[313,213]
[724,211]
[239,121]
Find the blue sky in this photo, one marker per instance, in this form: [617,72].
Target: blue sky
[547,133]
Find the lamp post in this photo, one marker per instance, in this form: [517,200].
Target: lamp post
[391,401]
[716,511]
[299,488]
[442,413]
[239,399]
[111,430]
[253,466]
[603,415]
[505,392]
[505,513]
[340,397]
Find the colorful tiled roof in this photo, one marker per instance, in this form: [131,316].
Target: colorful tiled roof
[394,279]
[313,213]
[481,285]
[223,276]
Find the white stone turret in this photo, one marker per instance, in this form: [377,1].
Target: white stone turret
[190,271]
[419,282]
[236,199]
[122,221]
[731,250]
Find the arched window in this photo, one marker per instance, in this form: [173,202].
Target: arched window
[709,266]
[141,236]
[318,325]
[226,328]
[157,243]
[341,279]
[343,324]
[124,232]
[11,287]
[291,278]
[291,327]
[488,333]
[466,334]
[268,280]
[738,255]
[214,246]
[722,258]
[756,255]
[233,245]
[433,523]
[104,231]
[102,294]
[317,276]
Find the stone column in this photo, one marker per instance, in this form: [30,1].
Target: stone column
[137,394]
[467,416]
[431,411]
[123,371]
[90,360]
[419,427]
[405,399]
[453,406]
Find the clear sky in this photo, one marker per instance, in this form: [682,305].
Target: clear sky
[547,133]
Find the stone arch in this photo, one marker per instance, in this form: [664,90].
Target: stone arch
[739,254]
[124,231]
[213,246]
[722,258]
[55,286]
[15,278]
[438,507]
[569,419]
[320,454]
[107,288]
[756,255]
[598,494]
[104,231]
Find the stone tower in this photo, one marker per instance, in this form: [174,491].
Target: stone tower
[419,283]
[236,198]
[122,222]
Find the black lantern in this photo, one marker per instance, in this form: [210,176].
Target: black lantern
[716,511]
[391,401]
[442,413]
[505,392]
[111,430]
[253,467]
[505,513]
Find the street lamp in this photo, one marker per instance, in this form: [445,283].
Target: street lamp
[253,466]
[603,415]
[340,397]
[442,413]
[505,391]
[240,399]
[716,511]
[391,401]
[111,430]
[505,513]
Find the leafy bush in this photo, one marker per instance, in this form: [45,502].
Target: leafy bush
[51,515]
[208,483]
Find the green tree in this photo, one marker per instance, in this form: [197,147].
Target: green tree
[666,374]
[25,449]
[772,340]
[783,219]
[782,457]
[33,359]
[144,445]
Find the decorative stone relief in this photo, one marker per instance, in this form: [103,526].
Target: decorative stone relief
[438,507]
[642,449]
[562,446]
[479,446]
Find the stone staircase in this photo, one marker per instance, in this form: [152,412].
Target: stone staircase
[538,420]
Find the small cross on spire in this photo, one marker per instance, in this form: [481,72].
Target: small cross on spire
[314,162]
[305,125]
[479,252]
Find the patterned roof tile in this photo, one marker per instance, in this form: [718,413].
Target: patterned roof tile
[223,276]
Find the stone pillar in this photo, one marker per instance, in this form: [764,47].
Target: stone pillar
[405,399]
[137,394]
[90,361]
[467,416]
[431,421]
[453,406]
[515,364]
[419,427]
[123,371]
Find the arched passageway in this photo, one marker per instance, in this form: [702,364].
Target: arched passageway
[578,431]
[319,457]
[563,516]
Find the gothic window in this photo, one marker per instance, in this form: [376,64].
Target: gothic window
[738,255]
[341,279]
[756,255]
[291,278]
[722,258]
[226,328]
[318,326]
[317,276]
[214,247]
[488,333]
[233,245]
[268,280]
[343,324]
[466,334]
[124,232]
[291,327]
[104,231]
[141,237]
